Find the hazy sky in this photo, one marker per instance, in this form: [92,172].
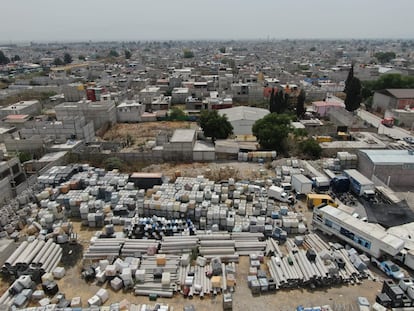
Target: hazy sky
[51,20]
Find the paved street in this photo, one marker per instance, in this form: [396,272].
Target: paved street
[394,132]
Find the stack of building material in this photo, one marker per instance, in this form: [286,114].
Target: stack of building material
[102,248]
[179,244]
[135,248]
[160,276]
[33,258]
[247,243]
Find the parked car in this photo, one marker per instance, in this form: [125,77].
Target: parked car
[409,140]
[389,268]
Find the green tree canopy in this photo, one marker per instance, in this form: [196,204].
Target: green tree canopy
[127,54]
[222,49]
[272,131]
[67,58]
[16,58]
[58,62]
[310,148]
[3,59]
[384,57]
[113,53]
[278,101]
[177,114]
[113,163]
[188,53]
[390,81]
[81,57]
[215,125]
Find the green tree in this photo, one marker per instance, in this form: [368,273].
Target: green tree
[353,91]
[58,62]
[113,53]
[310,148]
[215,125]
[281,101]
[24,156]
[188,53]
[390,81]
[127,54]
[272,131]
[81,57]
[272,102]
[67,58]
[3,59]
[222,49]
[16,58]
[300,104]
[177,114]
[113,163]
[384,57]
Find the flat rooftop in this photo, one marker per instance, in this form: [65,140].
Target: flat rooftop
[183,136]
[203,146]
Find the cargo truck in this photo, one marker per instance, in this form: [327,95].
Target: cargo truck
[359,184]
[301,184]
[321,183]
[406,257]
[280,194]
[340,184]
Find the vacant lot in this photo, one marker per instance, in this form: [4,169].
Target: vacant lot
[140,133]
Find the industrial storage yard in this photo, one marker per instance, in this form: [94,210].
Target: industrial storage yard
[216,214]
[206,175]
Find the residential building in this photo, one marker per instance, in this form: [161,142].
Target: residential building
[147,96]
[179,95]
[129,112]
[29,107]
[101,112]
[11,179]
[62,130]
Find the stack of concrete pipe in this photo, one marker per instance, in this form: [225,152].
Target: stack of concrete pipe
[150,285]
[295,269]
[102,248]
[36,255]
[138,247]
[248,243]
[178,244]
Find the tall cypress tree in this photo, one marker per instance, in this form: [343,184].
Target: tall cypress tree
[352,90]
[272,101]
[300,104]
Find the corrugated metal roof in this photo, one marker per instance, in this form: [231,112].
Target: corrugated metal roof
[401,93]
[389,157]
[244,113]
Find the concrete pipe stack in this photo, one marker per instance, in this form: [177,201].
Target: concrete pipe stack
[178,244]
[102,248]
[160,276]
[34,256]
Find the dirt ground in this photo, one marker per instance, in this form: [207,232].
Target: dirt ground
[339,297]
[140,133]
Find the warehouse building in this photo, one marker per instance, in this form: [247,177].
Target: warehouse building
[393,167]
[242,118]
